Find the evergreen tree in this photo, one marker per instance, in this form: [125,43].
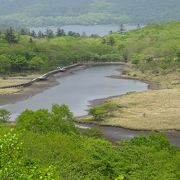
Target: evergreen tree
[111,41]
[31,40]
[122,29]
[60,32]
[138,26]
[23,32]
[49,33]
[40,34]
[33,34]
[10,36]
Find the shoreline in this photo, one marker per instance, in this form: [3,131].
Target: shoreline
[151,86]
[36,87]
[40,86]
[115,134]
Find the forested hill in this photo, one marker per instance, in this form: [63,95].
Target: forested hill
[56,12]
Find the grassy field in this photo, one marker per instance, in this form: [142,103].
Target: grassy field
[169,80]
[150,110]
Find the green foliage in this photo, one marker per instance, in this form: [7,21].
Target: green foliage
[38,63]
[98,113]
[5,64]
[15,165]
[81,156]
[60,119]
[4,115]
[58,12]
[92,132]
[101,111]
[10,36]
[153,49]
[146,157]
[43,54]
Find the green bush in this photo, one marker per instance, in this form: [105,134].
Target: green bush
[15,165]
[100,112]
[92,132]
[4,115]
[60,119]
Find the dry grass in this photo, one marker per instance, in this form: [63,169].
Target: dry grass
[9,91]
[10,81]
[16,80]
[150,110]
[171,80]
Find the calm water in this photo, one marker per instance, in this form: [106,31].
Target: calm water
[101,30]
[78,89]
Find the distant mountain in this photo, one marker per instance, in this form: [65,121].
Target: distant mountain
[58,12]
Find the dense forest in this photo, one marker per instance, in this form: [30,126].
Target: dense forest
[46,145]
[154,49]
[60,12]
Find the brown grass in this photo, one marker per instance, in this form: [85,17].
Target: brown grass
[10,81]
[150,110]
[171,80]
[9,91]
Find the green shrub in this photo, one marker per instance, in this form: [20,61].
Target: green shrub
[92,132]
[60,119]
[101,111]
[15,165]
[4,115]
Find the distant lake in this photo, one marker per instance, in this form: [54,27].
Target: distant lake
[77,89]
[100,30]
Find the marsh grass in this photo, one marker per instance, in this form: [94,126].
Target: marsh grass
[9,91]
[150,110]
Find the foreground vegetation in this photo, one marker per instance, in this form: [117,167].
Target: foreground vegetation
[46,145]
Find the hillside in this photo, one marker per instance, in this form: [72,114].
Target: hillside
[153,49]
[60,12]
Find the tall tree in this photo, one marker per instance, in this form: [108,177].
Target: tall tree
[33,34]
[122,29]
[11,36]
[60,32]
[40,34]
[49,33]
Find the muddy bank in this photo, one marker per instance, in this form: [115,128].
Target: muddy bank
[40,86]
[115,134]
